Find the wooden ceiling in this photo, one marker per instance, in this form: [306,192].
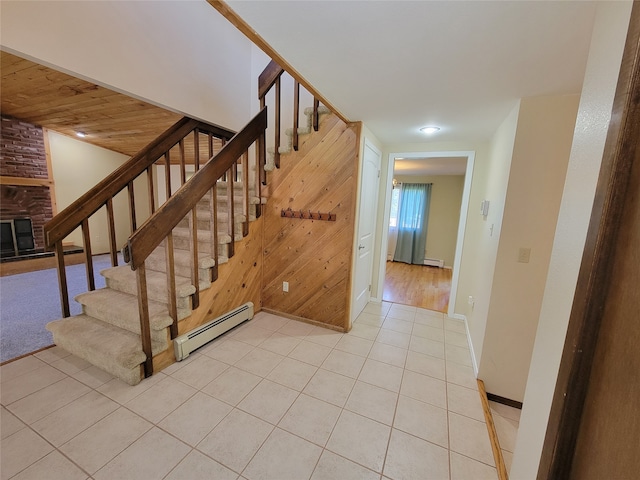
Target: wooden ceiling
[57,101]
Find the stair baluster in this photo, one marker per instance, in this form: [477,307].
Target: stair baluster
[113,248]
[296,114]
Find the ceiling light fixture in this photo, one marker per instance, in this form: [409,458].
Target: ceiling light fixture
[81,134]
[429,130]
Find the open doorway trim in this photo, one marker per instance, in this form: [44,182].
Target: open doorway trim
[464,209]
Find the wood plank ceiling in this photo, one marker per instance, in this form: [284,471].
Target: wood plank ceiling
[60,102]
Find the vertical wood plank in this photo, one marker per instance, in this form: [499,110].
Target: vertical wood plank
[261,174]
[52,185]
[230,209]
[113,247]
[276,153]
[196,149]
[62,280]
[183,167]
[143,311]
[214,229]
[151,189]
[193,256]
[167,174]
[296,114]
[172,304]
[132,207]
[245,193]
[88,259]
[316,115]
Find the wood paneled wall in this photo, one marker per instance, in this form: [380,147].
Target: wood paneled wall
[239,281]
[313,256]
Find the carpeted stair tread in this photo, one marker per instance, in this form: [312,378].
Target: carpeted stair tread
[124,279]
[121,309]
[109,348]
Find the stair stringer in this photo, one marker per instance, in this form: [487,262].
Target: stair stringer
[239,281]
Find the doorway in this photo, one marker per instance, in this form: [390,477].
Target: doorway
[443,163]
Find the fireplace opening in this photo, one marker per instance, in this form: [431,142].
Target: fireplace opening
[17,237]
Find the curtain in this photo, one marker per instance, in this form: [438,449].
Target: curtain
[393,221]
[413,218]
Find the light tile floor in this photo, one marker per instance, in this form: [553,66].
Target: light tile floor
[274,399]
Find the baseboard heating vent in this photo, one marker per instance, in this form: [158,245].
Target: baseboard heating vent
[187,343]
[434,262]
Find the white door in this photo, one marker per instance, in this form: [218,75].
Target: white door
[368,204]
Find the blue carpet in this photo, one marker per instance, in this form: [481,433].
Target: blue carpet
[28,301]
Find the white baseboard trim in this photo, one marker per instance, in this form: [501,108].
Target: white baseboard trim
[473,354]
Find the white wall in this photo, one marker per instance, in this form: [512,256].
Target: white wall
[592,122]
[178,54]
[536,179]
[444,213]
[77,167]
[483,233]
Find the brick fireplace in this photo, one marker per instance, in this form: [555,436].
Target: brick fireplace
[25,189]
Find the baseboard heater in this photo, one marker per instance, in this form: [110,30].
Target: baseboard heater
[434,262]
[187,343]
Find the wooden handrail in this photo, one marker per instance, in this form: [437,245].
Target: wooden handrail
[71,217]
[142,242]
[268,78]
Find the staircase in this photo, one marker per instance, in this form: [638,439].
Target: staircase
[134,318]
[107,333]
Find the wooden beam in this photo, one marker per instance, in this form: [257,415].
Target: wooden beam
[26,182]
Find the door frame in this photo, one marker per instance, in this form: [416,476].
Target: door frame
[462,223]
[366,143]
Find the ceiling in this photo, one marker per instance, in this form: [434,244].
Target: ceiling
[400,65]
[57,101]
[395,65]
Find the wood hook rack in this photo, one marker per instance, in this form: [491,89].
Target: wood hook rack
[308,215]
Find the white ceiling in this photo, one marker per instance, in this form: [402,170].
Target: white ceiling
[399,65]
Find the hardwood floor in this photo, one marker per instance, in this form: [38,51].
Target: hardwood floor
[418,286]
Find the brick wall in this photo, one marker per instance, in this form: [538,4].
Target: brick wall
[22,154]
[22,149]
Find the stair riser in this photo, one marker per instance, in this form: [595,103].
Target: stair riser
[157,294]
[205,247]
[159,264]
[204,223]
[157,336]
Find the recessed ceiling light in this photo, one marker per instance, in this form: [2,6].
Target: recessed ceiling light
[429,130]
[81,134]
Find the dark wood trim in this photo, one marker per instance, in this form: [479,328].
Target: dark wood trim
[493,434]
[504,401]
[621,150]
[26,182]
[26,355]
[268,77]
[252,35]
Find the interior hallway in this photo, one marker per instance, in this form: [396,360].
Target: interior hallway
[417,285]
[274,398]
